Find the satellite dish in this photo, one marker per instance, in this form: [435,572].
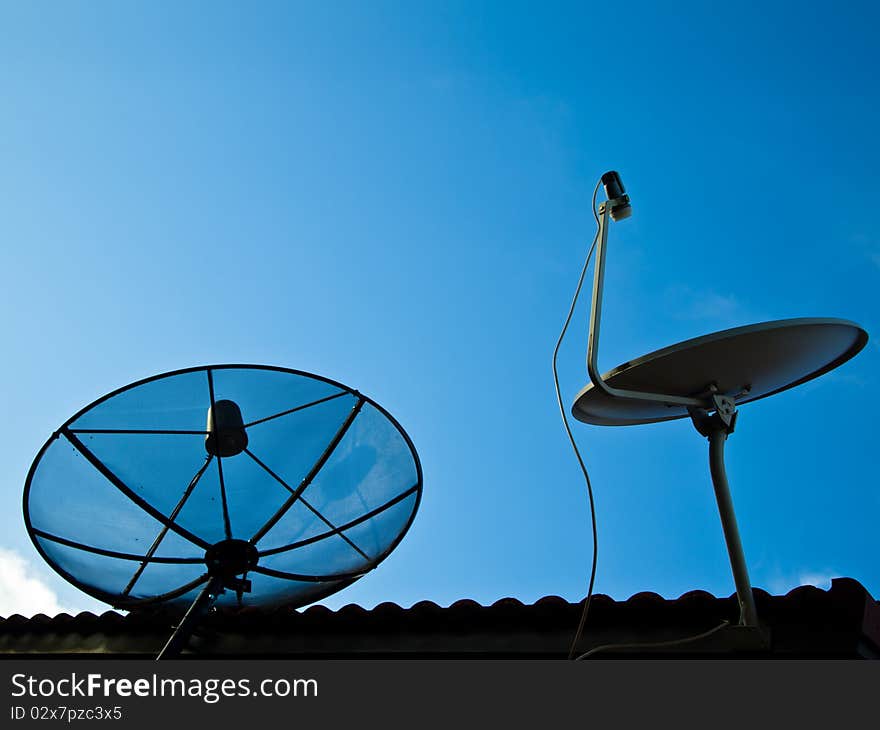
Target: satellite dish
[748,363]
[228,484]
[707,378]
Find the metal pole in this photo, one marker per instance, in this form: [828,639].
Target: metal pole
[184,629]
[748,612]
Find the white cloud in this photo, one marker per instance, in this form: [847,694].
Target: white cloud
[820,580]
[781,585]
[22,591]
[684,302]
[868,245]
[849,379]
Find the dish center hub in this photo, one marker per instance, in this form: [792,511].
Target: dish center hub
[228,558]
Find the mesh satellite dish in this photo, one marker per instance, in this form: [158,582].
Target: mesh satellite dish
[707,378]
[225,484]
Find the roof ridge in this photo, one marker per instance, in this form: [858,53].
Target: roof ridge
[839,587]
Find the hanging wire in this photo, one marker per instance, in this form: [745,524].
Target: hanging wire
[589,596]
[655,644]
[577,453]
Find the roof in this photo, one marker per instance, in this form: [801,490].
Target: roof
[842,622]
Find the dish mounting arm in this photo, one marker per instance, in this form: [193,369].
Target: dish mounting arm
[605,210]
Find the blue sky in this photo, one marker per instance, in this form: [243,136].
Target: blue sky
[396,196]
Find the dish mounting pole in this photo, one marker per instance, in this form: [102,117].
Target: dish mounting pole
[226,560]
[199,607]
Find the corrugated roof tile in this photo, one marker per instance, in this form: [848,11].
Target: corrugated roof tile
[846,595]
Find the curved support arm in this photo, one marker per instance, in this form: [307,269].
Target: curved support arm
[593,339]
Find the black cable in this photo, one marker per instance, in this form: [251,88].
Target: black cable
[654,644]
[577,453]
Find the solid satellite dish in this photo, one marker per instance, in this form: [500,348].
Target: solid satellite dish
[238,484]
[749,363]
[706,378]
